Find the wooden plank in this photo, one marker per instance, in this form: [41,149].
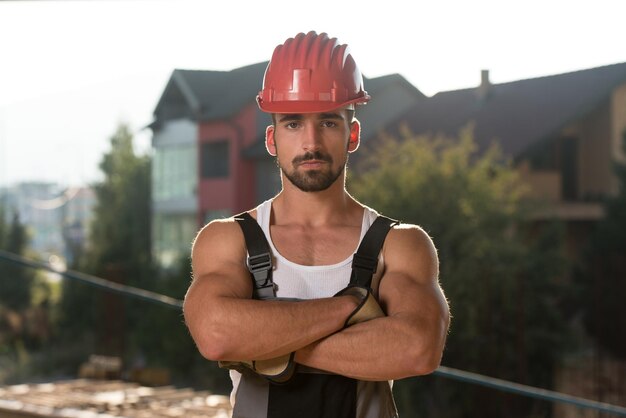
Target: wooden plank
[109,399]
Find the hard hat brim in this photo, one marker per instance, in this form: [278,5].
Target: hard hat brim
[287,107]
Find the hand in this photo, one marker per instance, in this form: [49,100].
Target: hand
[367,308]
[276,370]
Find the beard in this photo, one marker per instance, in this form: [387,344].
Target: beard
[312,180]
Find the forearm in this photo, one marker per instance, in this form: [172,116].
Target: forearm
[229,328]
[381,349]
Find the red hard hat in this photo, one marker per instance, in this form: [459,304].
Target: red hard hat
[310,74]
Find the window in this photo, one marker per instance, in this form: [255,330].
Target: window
[215,159]
[174,172]
[569,168]
[545,156]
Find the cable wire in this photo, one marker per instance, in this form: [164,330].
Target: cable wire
[96,281]
[526,390]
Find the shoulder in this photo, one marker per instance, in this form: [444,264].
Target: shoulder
[409,248]
[220,229]
[217,230]
[220,239]
[409,234]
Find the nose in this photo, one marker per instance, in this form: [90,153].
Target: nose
[311,139]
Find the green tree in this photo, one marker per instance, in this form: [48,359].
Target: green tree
[502,283]
[3,224]
[604,270]
[19,286]
[16,280]
[119,243]
[120,232]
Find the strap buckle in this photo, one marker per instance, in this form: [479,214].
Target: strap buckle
[260,265]
[364,262]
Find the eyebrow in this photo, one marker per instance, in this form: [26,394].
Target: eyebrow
[330,115]
[298,116]
[290,116]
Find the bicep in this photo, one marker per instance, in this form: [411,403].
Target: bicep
[410,284]
[218,263]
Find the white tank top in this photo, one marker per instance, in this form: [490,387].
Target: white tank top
[313,282]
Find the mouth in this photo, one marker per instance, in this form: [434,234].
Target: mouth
[312,163]
[312,160]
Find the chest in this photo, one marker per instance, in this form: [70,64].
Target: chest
[315,246]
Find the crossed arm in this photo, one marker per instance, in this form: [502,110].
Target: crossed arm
[227,325]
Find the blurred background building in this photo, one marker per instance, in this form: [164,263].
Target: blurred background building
[57,218]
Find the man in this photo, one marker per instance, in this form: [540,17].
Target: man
[313,226]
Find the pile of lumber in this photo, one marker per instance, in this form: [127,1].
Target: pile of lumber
[86,398]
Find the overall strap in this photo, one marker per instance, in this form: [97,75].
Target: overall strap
[259,257]
[365,259]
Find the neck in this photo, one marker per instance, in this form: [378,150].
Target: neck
[332,205]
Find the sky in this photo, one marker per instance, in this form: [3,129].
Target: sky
[71,71]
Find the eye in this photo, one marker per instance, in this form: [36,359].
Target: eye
[292,125]
[328,124]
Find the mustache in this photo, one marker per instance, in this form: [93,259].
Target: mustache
[316,155]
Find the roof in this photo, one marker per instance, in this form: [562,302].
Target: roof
[373,85]
[211,95]
[517,114]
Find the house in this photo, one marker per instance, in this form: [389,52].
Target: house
[57,218]
[77,214]
[37,206]
[209,152]
[561,131]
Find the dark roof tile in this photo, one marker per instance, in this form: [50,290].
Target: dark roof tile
[217,94]
[518,113]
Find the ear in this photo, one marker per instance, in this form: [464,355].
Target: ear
[270,145]
[355,136]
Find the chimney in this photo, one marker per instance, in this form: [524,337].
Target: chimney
[485,85]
